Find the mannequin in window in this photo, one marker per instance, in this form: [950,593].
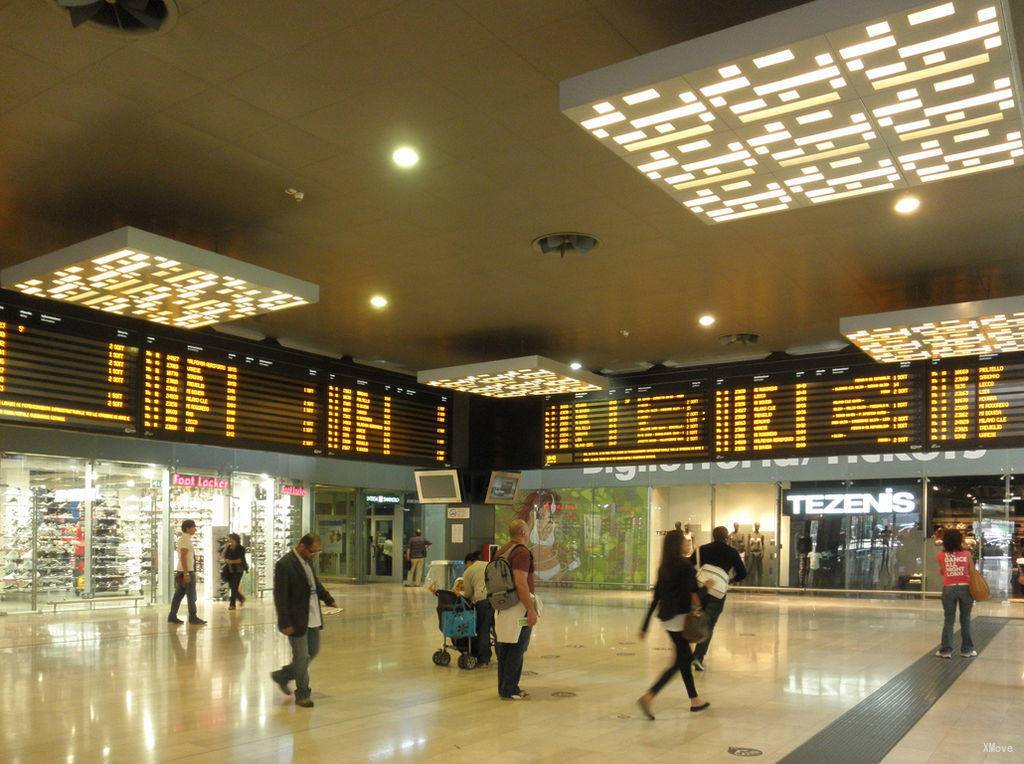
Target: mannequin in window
[804,545]
[971,545]
[689,550]
[738,541]
[755,555]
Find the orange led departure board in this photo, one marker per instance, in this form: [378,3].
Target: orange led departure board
[198,395]
[53,378]
[386,420]
[818,410]
[981,402]
[641,425]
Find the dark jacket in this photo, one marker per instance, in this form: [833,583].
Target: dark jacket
[673,592]
[291,593]
[722,555]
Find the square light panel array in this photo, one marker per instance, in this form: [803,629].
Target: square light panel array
[514,378]
[943,331]
[138,274]
[922,94]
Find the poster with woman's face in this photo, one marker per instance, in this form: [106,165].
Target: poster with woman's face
[589,535]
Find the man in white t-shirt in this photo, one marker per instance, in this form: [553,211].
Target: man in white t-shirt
[185,576]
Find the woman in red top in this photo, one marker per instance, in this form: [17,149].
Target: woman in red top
[955,563]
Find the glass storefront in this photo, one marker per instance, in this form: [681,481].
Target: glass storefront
[266,512]
[334,519]
[855,535]
[597,536]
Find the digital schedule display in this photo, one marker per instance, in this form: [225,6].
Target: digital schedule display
[227,398]
[642,425]
[818,410]
[979,402]
[390,421]
[49,377]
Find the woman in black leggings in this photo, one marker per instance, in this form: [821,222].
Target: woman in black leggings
[235,566]
[676,594]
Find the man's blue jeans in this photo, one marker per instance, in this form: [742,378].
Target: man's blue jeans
[304,650]
[510,663]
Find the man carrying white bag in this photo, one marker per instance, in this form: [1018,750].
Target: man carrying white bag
[719,565]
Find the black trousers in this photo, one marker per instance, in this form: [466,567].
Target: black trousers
[682,665]
[234,580]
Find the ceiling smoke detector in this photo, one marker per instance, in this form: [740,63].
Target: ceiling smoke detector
[743,339]
[580,243]
[133,17]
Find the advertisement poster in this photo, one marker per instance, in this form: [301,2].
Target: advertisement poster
[332,535]
[592,535]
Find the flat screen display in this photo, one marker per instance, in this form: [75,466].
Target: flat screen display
[502,487]
[438,486]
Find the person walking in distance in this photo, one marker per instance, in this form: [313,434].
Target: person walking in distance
[955,564]
[513,626]
[720,563]
[185,576]
[417,554]
[297,596]
[235,566]
[675,595]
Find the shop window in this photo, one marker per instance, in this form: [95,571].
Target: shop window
[593,536]
[854,535]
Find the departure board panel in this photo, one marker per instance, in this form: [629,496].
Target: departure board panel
[367,419]
[980,402]
[818,410]
[228,398]
[641,425]
[52,377]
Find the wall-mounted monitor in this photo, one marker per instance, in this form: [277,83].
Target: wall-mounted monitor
[502,488]
[438,486]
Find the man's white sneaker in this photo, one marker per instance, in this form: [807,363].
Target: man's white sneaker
[970,654]
[941,654]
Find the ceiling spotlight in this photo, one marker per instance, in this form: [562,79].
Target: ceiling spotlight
[907,204]
[379,301]
[405,156]
[706,320]
[575,365]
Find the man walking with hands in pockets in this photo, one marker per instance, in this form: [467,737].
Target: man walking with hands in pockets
[297,596]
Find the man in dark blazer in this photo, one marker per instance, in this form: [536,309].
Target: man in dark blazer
[297,596]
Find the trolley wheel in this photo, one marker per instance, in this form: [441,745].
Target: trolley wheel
[437,656]
[467,661]
[444,658]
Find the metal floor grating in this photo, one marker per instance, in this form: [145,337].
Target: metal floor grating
[869,730]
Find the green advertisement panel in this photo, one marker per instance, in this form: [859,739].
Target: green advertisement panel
[583,535]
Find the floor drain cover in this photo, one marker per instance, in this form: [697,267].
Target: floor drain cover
[624,716]
[740,751]
[575,645]
[622,654]
[563,694]
[530,673]
[664,649]
[627,643]
[754,635]
[550,657]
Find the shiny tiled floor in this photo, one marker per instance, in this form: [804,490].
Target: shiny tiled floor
[124,687]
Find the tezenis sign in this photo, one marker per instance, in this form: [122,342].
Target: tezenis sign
[851,503]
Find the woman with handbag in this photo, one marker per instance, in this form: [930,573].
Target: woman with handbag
[234,568]
[956,566]
[675,597]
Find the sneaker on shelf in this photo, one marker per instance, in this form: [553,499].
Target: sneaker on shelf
[697,664]
[942,654]
[969,654]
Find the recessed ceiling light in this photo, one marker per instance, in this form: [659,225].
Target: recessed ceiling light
[907,204]
[575,365]
[379,301]
[405,156]
[706,320]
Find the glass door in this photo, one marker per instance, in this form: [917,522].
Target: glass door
[991,544]
[380,556]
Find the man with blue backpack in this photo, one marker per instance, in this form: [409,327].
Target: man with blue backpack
[510,590]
